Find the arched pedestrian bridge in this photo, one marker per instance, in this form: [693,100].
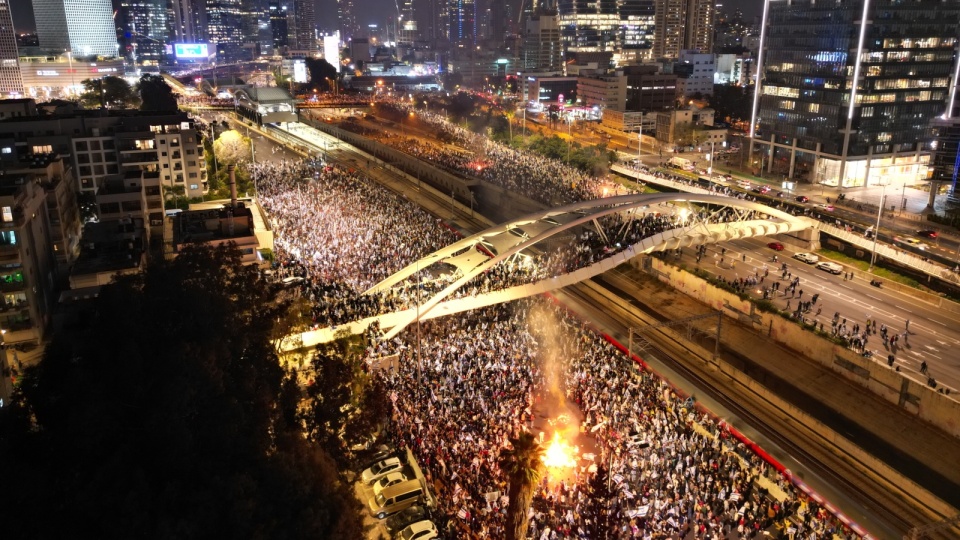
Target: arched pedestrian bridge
[571,243]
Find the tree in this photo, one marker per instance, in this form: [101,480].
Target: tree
[523,465]
[231,147]
[320,71]
[156,94]
[732,103]
[166,417]
[107,92]
[349,405]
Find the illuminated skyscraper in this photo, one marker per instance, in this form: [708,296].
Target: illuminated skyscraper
[146,28]
[606,25]
[224,28]
[83,27]
[348,20]
[463,24]
[278,24]
[683,25]
[305,32]
[10,79]
[848,90]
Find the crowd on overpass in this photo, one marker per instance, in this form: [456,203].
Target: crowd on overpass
[674,470]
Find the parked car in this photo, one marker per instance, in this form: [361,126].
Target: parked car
[776,246]
[802,198]
[808,258]
[380,469]
[928,234]
[421,530]
[831,267]
[403,518]
[391,479]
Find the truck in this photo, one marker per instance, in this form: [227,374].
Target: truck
[681,163]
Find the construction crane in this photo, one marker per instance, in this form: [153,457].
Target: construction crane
[922,531]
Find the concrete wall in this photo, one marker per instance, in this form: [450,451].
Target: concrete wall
[898,388]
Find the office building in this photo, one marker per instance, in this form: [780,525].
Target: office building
[189,20]
[305,32]
[854,108]
[10,80]
[650,90]
[83,27]
[54,76]
[224,28]
[624,28]
[606,92]
[278,25]
[145,27]
[682,24]
[695,72]
[542,48]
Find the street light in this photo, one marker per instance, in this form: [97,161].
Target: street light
[876,232]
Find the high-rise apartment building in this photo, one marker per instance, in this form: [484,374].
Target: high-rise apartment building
[83,27]
[305,35]
[348,20]
[10,81]
[682,24]
[847,90]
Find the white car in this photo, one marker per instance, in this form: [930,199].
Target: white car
[380,469]
[808,258]
[387,481]
[421,530]
[831,267]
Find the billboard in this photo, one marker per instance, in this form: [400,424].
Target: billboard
[299,71]
[191,50]
[331,50]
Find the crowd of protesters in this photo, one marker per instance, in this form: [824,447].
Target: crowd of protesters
[674,471]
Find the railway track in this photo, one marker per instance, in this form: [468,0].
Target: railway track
[890,510]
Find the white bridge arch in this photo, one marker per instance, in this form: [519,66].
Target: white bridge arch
[508,239]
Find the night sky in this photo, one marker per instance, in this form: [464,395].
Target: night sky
[369,12]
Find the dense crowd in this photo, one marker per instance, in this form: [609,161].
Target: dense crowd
[543,179]
[674,471]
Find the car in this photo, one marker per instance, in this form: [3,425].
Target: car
[744,184]
[405,517]
[912,242]
[831,267]
[928,234]
[802,198]
[764,189]
[776,246]
[380,469]
[421,530]
[808,258]
[391,479]
[827,207]
[291,281]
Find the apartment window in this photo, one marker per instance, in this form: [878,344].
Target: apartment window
[194,186]
[163,154]
[83,158]
[95,145]
[7,213]
[7,150]
[191,175]
[189,151]
[81,146]
[192,163]
[42,149]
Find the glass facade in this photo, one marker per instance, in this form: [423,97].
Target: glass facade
[607,25]
[904,62]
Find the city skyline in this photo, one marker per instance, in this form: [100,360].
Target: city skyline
[24,20]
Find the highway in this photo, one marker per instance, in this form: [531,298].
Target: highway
[933,332]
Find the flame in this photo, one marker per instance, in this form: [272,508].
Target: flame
[559,454]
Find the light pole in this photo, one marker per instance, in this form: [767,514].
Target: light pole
[876,232]
[640,144]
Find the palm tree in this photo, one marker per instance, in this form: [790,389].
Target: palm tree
[523,465]
[510,114]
